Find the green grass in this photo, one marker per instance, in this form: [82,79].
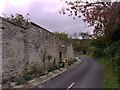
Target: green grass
[111,79]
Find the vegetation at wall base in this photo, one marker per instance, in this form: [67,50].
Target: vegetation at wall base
[52,68]
[71,61]
[61,64]
[32,71]
[12,79]
[20,80]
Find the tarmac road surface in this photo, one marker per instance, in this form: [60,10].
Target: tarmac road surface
[88,74]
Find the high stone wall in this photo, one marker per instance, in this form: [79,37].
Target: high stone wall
[12,49]
[32,45]
[0,51]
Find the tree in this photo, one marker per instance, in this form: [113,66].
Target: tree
[97,14]
[63,36]
[115,36]
[85,35]
[105,17]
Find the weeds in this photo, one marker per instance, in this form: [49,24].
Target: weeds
[20,80]
[111,78]
[69,62]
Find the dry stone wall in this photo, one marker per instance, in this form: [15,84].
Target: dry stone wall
[33,44]
[12,49]
[0,52]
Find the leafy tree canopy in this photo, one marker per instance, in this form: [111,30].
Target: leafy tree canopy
[101,15]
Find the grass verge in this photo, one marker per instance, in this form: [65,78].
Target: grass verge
[111,78]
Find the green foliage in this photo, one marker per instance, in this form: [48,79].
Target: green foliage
[31,72]
[20,80]
[12,79]
[98,53]
[77,48]
[71,61]
[111,78]
[27,74]
[100,17]
[62,36]
[111,62]
[28,77]
[113,49]
[98,44]
[117,58]
[106,31]
[52,68]
[115,36]
[91,48]
[76,43]
[80,45]
[112,52]
[61,64]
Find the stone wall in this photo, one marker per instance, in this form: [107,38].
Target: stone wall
[0,51]
[13,48]
[32,45]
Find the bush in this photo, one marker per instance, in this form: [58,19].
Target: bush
[71,61]
[117,58]
[98,53]
[111,78]
[113,49]
[26,71]
[61,64]
[20,80]
[28,77]
[52,68]
[116,62]
[12,79]
[77,48]
[31,72]
[98,44]
[28,74]
[116,33]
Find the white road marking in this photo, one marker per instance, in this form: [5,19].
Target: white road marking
[71,85]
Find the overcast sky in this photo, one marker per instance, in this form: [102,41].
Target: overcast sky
[46,14]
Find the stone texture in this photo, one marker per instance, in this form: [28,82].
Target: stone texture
[31,45]
[0,51]
[12,49]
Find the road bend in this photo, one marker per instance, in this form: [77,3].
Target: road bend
[88,74]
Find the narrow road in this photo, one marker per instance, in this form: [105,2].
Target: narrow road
[88,74]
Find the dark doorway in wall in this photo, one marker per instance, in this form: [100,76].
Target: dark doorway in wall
[60,55]
[84,51]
